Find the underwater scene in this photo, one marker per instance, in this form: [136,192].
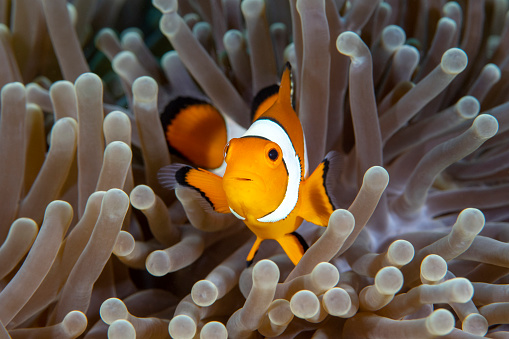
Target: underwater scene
[254,169]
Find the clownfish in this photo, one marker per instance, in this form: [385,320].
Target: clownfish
[185,117]
[265,181]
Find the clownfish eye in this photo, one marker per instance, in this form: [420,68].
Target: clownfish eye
[273,154]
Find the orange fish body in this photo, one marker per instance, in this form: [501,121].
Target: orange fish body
[264,181]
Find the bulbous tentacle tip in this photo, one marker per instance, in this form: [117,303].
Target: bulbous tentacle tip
[389,280]
[440,322]
[304,304]
[145,89]
[88,85]
[454,61]
[265,274]
[233,40]
[343,218]
[113,309]
[170,23]
[393,37]
[433,268]
[13,91]
[472,220]
[204,293]
[121,329]
[476,324]
[400,252]
[462,291]
[349,44]
[252,7]
[494,71]
[74,323]
[182,326]
[124,245]
[214,330]
[165,6]
[376,178]
[325,275]
[157,263]
[468,107]
[115,203]
[486,126]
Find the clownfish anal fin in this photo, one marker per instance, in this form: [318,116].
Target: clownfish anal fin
[302,241]
[294,246]
[317,200]
[209,185]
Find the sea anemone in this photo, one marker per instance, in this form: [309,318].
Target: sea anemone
[412,95]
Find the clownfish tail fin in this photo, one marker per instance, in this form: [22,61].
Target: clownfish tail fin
[335,165]
[209,185]
[318,201]
[187,118]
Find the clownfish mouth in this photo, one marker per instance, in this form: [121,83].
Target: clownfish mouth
[239,177]
[242,179]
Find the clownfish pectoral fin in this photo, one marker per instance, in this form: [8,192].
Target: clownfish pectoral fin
[209,185]
[294,246]
[252,252]
[196,131]
[317,201]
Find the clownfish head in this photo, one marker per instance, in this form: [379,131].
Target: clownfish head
[255,179]
[265,166]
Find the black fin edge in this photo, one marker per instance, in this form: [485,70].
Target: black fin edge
[174,175]
[332,159]
[167,175]
[176,105]
[171,111]
[301,240]
[261,96]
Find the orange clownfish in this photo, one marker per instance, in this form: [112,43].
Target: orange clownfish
[264,182]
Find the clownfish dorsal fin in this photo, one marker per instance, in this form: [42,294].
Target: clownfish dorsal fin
[267,96]
[285,88]
[318,203]
[263,100]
